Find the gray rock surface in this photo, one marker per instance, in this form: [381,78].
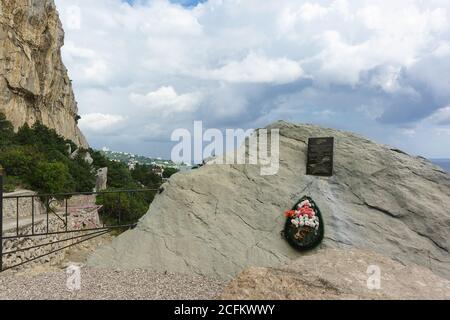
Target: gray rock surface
[85,155]
[220,219]
[101,179]
[88,158]
[25,205]
[34,85]
[338,274]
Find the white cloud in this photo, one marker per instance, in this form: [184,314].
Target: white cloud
[258,68]
[88,64]
[245,63]
[312,11]
[99,122]
[166,101]
[408,132]
[441,116]
[443,50]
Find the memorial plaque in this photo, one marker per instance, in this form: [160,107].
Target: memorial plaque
[320,157]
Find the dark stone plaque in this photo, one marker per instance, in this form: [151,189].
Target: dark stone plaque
[320,157]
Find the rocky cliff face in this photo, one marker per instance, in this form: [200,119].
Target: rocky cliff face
[34,85]
[221,219]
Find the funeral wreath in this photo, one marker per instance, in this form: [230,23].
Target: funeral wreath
[304,228]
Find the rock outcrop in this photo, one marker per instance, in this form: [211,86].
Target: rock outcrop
[220,219]
[34,85]
[338,274]
[101,179]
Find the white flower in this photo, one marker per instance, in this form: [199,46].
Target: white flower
[303,203]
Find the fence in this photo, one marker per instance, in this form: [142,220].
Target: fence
[53,218]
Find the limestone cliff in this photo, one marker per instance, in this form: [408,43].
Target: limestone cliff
[34,85]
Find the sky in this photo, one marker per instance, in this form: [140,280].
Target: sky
[142,69]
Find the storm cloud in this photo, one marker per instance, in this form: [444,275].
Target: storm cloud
[142,69]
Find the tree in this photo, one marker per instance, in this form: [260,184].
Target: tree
[6,131]
[168,172]
[81,174]
[36,157]
[44,138]
[100,161]
[52,177]
[123,208]
[145,176]
[19,160]
[119,176]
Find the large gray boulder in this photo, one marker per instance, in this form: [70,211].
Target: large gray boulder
[220,219]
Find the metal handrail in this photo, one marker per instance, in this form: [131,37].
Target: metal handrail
[71,231]
[69,194]
[1,219]
[91,232]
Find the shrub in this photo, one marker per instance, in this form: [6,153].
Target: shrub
[52,177]
[123,208]
[82,173]
[100,161]
[12,182]
[168,172]
[19,160]
[145,176]
[119,177]
[45,139]
[36,158]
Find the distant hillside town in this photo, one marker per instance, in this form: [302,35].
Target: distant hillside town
[133,159]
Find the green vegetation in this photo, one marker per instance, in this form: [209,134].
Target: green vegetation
[168,172]
[127,208]
[37,158]
[6,131]
[53,177]
[145,176]
[124,208]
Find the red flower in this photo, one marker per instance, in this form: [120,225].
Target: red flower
[308,211]
[289,214]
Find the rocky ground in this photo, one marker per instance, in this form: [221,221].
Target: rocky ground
[323,274]
[50,281]
[339,274]
[101,284]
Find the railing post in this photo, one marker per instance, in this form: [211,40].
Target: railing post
[67,216]
[32,215]
[1,219]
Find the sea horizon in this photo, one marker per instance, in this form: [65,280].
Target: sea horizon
[443,163]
